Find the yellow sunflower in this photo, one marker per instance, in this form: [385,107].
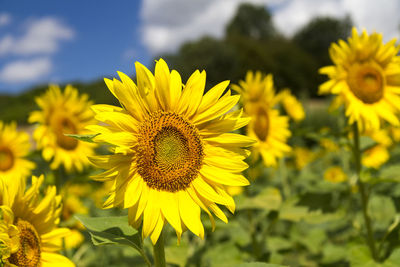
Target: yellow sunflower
[72,204]
[63,113]
[271,131]
[36,219]
[366,78]
[173,152]
[14,147]
[9,238]
[394,133]
[335,174]
[375,156]
[303,156]
[292,105]
[257,89]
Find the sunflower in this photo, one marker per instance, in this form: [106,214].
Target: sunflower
[271,131]
[366,78]
[292,105]
[257,89]
[9,239]
[267,126]
[335,174]
[72,205]
[173,155]
[14,147]
[375,156]
[36,220]
[303,156]
[63,113]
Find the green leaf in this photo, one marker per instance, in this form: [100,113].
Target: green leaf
[268,199]
[318,217]
[83,137]
[224,254]
[177,255]
[333,253]
[382,211]
[313,239]
[360,256]
[366,142]
[291,212]
[389,174]
[393,260]
[111,230]
[276,243]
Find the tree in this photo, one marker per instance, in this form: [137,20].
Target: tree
[251,21]
[317,36]
[214,56]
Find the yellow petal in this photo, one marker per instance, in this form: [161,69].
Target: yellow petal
[219,176]
[170,209]
[190,214]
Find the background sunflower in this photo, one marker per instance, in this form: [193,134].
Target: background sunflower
[14,147]
[365,78]
[62,113]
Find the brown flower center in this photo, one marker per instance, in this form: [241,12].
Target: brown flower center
[28,254]
[367,82]
[170,152]
[261,124]
[6,158]
[63,125]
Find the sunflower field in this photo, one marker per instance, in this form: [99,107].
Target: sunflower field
[179,173]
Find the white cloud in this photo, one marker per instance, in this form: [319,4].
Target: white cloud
[380,16]
[42,36]
[25,70]
[296,13]
[4,19]
[167,24]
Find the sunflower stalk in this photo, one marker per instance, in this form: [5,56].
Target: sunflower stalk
[363,192]
[159,253]
[283,175]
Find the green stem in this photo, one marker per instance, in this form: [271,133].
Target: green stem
[363,192]
[253,234]
[158,250]
[283,175]
[144,256]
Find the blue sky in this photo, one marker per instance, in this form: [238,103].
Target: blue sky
[47,41]
[100,38]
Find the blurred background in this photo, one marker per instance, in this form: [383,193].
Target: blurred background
[81,42]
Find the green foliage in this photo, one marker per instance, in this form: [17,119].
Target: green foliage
[111,230]
[253,22]
[317,36]
[215,56]
[83,137]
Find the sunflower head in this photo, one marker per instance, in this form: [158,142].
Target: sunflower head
[9,235]
[302,157]
[375,156]
[335,174]
[63,113]
[14,147]
[173,153]
[366,78]
[271,130]
[292,105]
[256,89]
[36,220]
